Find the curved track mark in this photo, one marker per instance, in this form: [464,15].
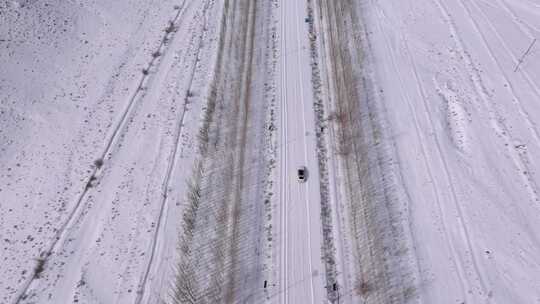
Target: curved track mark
[89,183]
[170,169]
[465,285]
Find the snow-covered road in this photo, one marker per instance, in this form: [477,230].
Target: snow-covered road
[301,268]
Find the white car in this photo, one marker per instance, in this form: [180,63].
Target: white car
[302,174]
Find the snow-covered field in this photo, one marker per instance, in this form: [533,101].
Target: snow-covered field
[148,151]
[107,81]
[466,128]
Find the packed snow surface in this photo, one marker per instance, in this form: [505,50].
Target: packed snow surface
[466,124]
[300,224]
[95,118]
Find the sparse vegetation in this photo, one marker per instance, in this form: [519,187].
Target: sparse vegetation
[209,244]
[322,123]
[170,28]
[40,267]
[98,163]
[409,293]
[356,135]
[91,181]
[363,288]
[81,282]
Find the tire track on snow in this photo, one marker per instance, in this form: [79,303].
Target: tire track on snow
[166,185]
[90,182]
[465,285]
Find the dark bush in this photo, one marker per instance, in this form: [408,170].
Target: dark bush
[40,266]
[98,163]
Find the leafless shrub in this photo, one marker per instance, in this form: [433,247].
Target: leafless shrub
[98,163]
[336,116]
[91,182]
[145,71]
[339,116]
[331,116]
[40,267]
[190,213]
[359,134]
[156,54]
[81,282]
[184,286]
[202,136]
[409,293]
[170,28]
[363,288]
[344,147]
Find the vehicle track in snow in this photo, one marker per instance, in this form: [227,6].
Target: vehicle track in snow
[423,46]
[91,181]
[301,272]
[171,165]
[300,89]
[521,158]
[495,118]
[442,209]
[464,229]
[535,134]
[524,29]
[504,3]
[497,124]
